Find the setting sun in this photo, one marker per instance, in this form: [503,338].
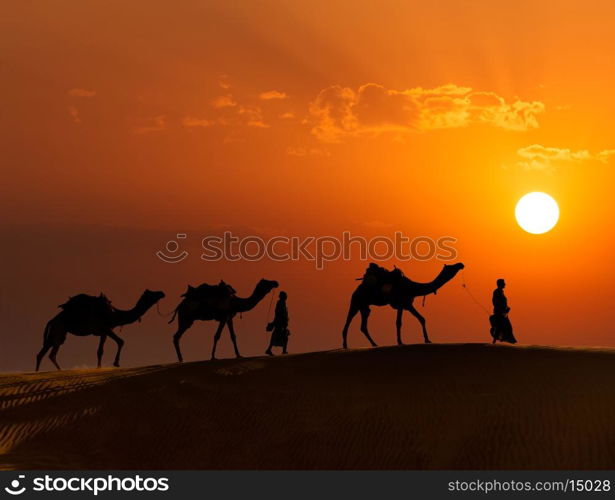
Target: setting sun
[537,213]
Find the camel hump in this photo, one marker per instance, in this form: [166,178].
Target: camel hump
[378,275]
[84,303]
[207,291]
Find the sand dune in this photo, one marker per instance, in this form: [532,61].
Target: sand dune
[444,406]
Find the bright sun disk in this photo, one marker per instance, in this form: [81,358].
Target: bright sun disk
[537,212]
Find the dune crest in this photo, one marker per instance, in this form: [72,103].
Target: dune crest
[443,406]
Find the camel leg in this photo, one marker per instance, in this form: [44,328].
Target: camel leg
[352,312]
[421,319]
[400,312]
[55,333]
[41,355]
[53,354]
[217,337]
[231,329]
[120,344]
[181,329]
[364,315]
[44,349]
[101,349]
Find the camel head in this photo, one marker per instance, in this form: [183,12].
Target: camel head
[150,297]
[449,271]
[265,286]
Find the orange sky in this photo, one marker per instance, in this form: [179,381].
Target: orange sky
[124,123]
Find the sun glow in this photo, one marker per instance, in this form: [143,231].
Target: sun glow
[537,213]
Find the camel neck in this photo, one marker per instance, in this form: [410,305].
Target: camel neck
[419,289]
[243,304]
[127,316]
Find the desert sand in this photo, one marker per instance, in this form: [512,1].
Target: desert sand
[447,406]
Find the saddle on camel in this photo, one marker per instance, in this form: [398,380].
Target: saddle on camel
[85,306]
[380,277]
[205,291]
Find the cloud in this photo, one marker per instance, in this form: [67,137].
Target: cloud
[230,112]
[604,156]
[81,93]
[223,81]
[538,157]
[235,115]
[272,94]
[74,114]
[190,121]
[157,124]
[224,101]
[341,112]
[251,116]
[306,151]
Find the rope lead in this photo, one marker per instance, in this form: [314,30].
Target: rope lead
[269,308]
[161,313]
[465,287]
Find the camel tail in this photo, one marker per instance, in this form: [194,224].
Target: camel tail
[173,317]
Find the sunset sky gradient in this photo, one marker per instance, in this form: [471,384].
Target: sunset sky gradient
[125,123]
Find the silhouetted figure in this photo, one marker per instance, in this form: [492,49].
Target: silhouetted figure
[381,287]
[279,326]
[84,315]
[501,328]
[215,302]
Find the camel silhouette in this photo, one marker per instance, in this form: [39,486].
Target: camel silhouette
[381,287]
[219,303]
[85,315]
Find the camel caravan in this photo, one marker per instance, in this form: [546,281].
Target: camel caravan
[84,315]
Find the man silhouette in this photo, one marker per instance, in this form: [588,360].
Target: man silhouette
[279,326]
[501,327]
